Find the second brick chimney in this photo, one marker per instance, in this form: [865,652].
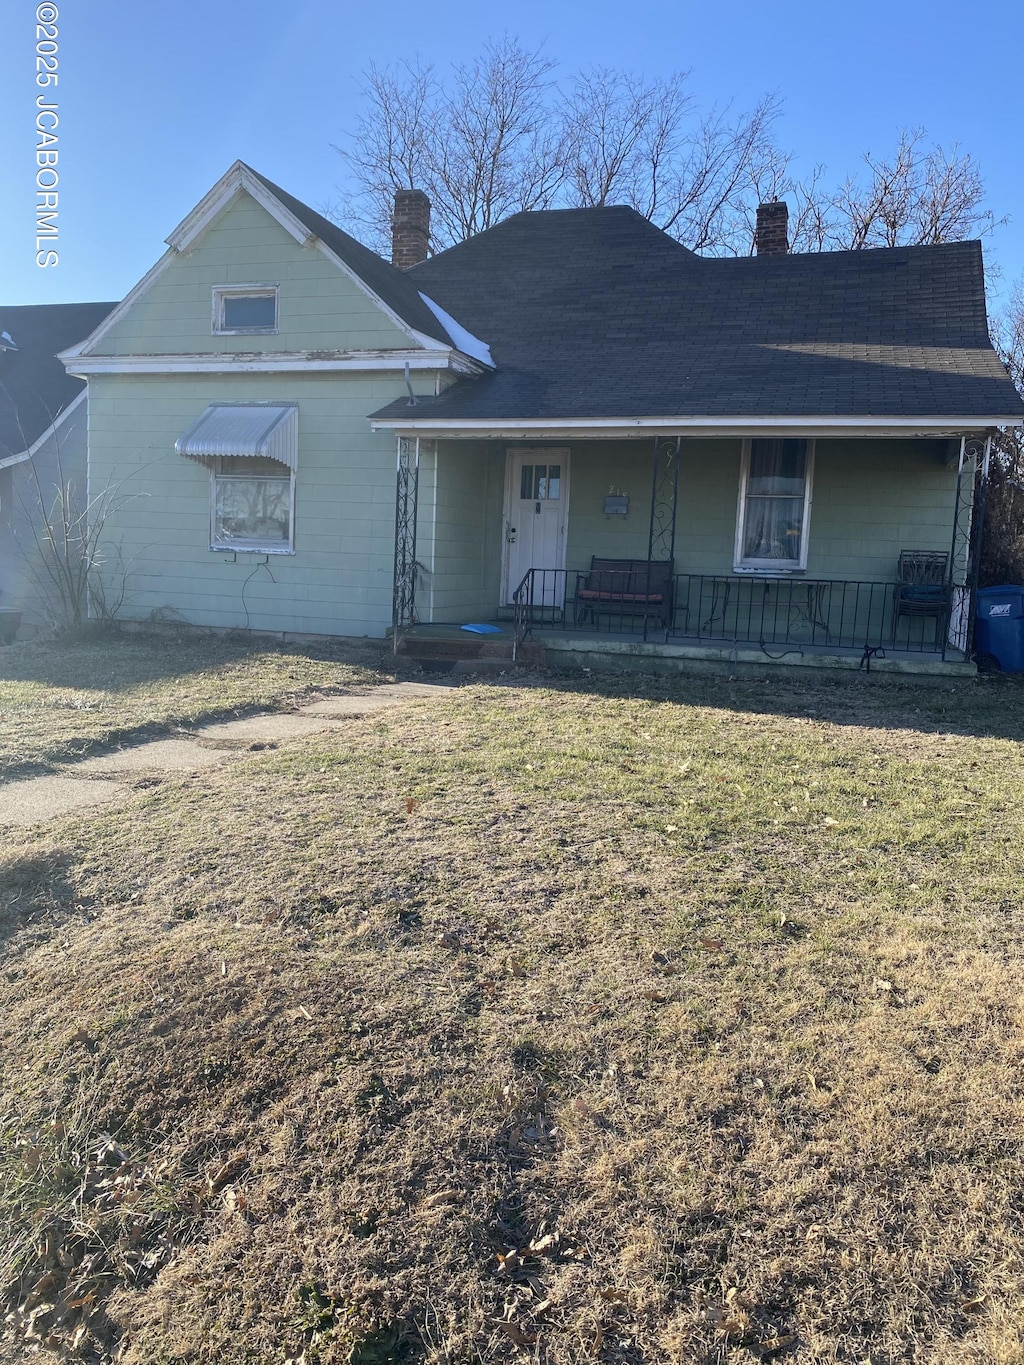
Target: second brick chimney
[772,235]
[410,228]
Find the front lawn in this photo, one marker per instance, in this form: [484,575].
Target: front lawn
[568,1022]
[59,701]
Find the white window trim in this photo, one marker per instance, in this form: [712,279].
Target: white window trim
[772,567]
[222,466]
[234,291]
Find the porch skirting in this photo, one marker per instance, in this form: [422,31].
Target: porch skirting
[599,652]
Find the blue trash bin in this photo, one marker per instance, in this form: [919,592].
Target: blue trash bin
[999,626]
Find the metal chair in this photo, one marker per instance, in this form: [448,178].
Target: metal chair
[922,589]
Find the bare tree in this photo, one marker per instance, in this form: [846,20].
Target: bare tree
[1002,550]
[391,146]
[919,196]
[502,152]
[500,135]
[77,575]
[644,144]
[60,533]
[483,146]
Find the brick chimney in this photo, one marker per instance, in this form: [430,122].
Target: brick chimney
[410,228]
[772,235]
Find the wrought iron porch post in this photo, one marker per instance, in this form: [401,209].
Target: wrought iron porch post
[965,549]
[403,610]
[661,540]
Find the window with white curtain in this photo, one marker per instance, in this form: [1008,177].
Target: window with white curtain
[774,505]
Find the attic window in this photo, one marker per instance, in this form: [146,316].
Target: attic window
[245,308]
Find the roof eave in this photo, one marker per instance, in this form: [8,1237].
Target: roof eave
[528,429]
[22,455]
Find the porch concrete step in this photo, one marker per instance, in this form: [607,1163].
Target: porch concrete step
[466,652]
[450,646]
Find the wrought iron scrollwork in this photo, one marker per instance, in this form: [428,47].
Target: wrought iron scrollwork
[661,543]
[403,613]
[968,523]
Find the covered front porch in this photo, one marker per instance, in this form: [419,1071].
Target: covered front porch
[825,551]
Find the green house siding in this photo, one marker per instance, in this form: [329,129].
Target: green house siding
[319,307]
[338,581]
[871,499]
[459,530]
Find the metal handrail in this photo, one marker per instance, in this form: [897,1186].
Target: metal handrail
[792,613]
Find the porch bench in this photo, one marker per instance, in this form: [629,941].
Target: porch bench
[625,587]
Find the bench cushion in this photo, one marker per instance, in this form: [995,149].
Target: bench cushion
[601,595]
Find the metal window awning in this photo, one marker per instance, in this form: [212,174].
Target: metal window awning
[268,431]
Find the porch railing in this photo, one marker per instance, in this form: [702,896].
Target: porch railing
[787,614]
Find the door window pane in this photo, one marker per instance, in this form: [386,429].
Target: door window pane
[552,484]
[541,482]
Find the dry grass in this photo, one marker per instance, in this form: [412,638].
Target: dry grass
[544,1023]
[59,701]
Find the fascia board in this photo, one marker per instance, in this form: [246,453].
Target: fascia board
[432,343]
[375,299]
[195,223]
[84,348]
[268,362]
[534,428]
[51,430]
[305,237]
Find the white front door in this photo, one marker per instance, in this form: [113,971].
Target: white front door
[536,517]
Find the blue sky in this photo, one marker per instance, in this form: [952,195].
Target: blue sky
[155,102]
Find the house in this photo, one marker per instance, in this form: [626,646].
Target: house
[42,448]
[569,424]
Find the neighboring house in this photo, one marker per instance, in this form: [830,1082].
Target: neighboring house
[43,429]
[771,433]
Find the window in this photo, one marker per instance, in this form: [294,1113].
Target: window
[246,308]
[252,505]
[774,506]
[541,482]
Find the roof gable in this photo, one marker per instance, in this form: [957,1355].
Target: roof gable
[393,287]
[319,307]
[384,288]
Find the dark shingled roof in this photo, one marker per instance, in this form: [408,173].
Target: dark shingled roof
[596,313]
[393,287]
[34,386]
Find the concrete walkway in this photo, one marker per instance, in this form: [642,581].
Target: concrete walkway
[93,782]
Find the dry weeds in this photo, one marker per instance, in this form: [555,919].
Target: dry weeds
[538,1024]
